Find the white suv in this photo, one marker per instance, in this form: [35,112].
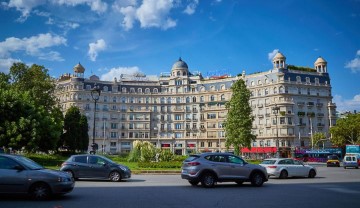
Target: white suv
[209,168]
[351,160]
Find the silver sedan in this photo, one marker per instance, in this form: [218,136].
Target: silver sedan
[287,167]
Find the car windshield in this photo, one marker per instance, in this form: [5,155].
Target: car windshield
[108,160]
[28,163]
[268,162]
[332,157]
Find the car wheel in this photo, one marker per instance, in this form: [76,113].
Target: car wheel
[257,179]
[115,176]
[344,167]
[312,173]
[194,183]
[40,191]
[283,174]
[208,180]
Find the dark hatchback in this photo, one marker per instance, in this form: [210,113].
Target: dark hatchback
[95,167]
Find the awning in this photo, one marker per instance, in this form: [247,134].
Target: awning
[259,150]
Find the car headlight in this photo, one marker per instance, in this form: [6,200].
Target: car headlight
[63,179]
[123,168]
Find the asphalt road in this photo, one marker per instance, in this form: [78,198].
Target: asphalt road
[333,187]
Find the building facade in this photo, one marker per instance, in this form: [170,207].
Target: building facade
[184,112]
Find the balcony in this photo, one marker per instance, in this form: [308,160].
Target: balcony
[310,104]
[300,103]
[320,115]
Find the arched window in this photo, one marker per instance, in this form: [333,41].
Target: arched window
[307,80]
[202,99]
[132,100]
[222,87]
[212,88]
[202,89]
[266,81]
[222,97]
[162,100]
[178,73]
[266,91]
[298,79]
[139,90]
[178,100]
[123,89]
[275,90]
[123,99]
[147,90]
[105,89]
[184,73]
[169,100]
[194,99]
[281,89]
[132,90]
[187,99]
[155,90]
[259,82]
[252,83]
[212,98]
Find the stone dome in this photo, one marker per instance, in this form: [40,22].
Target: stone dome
[180,64]
[94,78]
[279,56]
[78,68]
[320,60]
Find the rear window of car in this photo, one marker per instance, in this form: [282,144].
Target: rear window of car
[192,158]
[350,158]
[268,162]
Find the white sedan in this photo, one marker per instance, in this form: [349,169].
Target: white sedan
[287,167]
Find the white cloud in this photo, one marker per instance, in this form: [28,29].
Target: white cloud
[150,13]
[272,54]
[343,105]
[354,64]
[6,63]
[24,6]
[33,46]
[117,72]
[95,5]
[94,48]
[190,8]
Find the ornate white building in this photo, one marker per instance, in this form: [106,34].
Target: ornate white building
[184,112]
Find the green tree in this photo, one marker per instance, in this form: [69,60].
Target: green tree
[239,119]
[317,138]
[75,136]
[30,116]
[346,130]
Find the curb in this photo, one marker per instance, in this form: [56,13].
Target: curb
[158,172]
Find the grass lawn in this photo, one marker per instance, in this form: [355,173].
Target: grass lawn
[54,162]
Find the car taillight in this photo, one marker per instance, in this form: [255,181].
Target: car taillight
[272,166]
[193,163]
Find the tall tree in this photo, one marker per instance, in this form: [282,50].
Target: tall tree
[239,119]
[317,138]
[30,116]
[75,136]
[346,130]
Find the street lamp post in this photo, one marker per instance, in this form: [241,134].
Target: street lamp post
[157,137]
[276,110]
[95,94]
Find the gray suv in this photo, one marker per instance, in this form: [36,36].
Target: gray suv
[209,168]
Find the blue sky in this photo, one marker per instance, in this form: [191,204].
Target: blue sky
[110,37]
